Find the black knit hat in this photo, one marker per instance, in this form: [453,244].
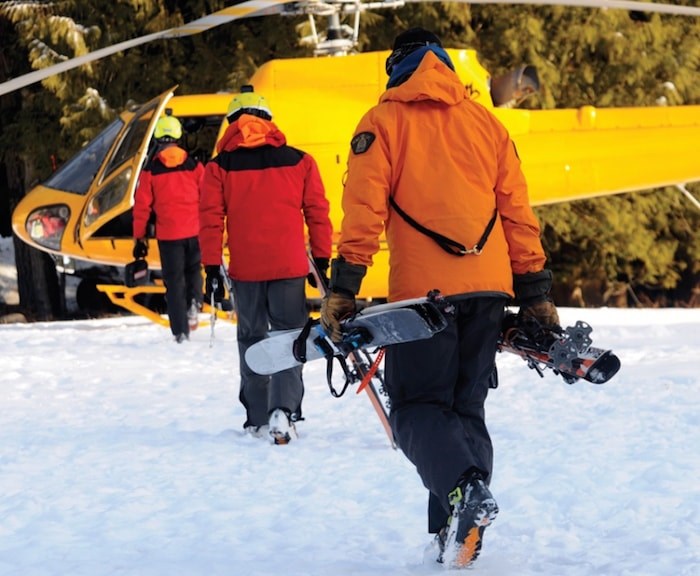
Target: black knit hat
[417,36]
[407,42]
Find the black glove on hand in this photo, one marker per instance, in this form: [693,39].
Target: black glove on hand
[543,312]
[339,304]
[532,293]
[322,266]
[335,307]
[140,249]
[214,284]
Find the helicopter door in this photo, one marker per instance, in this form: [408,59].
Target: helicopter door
[105,225]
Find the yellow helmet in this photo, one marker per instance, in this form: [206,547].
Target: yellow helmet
[168,128]
[248,102]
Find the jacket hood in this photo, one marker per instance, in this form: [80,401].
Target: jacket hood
[251,132]
[172,156]
[404,68]
[432,80]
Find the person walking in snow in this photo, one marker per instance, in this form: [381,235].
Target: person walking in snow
[264,193]
[439,173]
[168,187]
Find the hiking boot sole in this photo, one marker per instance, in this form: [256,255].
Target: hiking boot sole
[280,439]
[460,553]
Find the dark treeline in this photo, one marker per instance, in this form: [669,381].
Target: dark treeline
[632,249]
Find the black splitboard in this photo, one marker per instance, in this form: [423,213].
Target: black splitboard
[373,327]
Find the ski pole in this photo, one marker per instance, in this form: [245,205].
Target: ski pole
[212,304]
[227,284]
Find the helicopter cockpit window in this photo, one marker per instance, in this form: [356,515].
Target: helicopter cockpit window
[131,140]
[77,174]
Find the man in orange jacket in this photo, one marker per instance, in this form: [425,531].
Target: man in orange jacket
[439,173]
[264,192]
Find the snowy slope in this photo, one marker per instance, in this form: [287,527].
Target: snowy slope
[122,453]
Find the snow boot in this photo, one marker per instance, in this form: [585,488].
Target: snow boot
[193,315]
[473,509]
[281,427]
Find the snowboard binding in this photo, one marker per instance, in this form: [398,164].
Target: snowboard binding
[566,351]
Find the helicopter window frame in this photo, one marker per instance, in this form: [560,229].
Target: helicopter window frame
[77,174]
[136,133]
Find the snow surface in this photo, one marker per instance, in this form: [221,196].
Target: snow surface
[122,453]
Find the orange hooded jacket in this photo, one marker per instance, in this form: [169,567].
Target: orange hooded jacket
[448,163]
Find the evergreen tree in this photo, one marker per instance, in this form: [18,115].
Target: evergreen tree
[69,109]
[583,56]
[607,58]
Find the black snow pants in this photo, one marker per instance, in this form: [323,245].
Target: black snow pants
[182,275]
[438,388]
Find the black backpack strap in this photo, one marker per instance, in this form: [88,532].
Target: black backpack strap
[447,244]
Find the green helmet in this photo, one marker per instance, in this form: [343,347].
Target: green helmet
[168,129]
[248,102]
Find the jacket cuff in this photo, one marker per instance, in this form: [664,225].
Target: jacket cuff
[346,277]
[532,287]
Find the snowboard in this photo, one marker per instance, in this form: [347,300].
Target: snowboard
[568,352]
[362,367]
[373,327]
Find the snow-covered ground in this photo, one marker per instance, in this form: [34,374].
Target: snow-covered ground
[122,453]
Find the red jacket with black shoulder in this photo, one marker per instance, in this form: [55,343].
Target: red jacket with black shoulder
[264,194]
[169,187]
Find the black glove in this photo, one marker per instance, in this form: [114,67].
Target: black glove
[346,276]
[335,307]
[544,312]
[532,293]
[339,303]
[214,284]
[322,266]
[140,249]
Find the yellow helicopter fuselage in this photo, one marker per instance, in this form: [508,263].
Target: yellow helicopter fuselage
[566,154]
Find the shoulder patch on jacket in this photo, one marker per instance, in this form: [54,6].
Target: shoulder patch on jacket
[361,143]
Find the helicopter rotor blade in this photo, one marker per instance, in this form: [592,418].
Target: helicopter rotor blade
[632,5]
[251,8]
[243,10]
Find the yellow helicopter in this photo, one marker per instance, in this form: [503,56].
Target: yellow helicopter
[83,211]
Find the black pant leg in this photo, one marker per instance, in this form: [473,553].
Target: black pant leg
[437,389]
[193,271]
[172,259]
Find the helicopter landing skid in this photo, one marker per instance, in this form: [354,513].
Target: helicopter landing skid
[123,297]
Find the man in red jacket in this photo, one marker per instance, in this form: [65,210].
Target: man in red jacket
[169,188]
[263,192]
